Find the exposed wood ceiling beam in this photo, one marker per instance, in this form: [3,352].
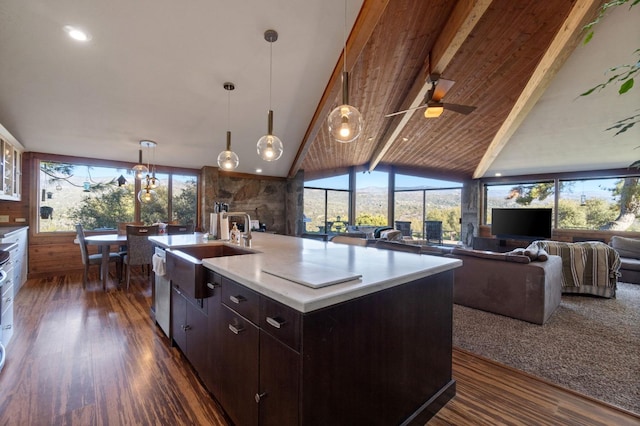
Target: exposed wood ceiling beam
[463,19]
[369,15]
[561,47]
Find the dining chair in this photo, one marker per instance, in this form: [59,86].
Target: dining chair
[180,229]
[95,259]
[139,248]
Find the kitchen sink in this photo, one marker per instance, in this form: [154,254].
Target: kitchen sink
[184,267]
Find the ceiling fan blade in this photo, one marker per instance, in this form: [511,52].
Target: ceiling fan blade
[442,86]
[462,109]
[406,110]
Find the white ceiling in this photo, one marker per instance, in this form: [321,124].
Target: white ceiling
[155,70]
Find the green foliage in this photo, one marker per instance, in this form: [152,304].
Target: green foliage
[184,205]
[371,219]
[623,74]
[526,194]
[106,210]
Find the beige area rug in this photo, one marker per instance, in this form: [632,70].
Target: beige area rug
[590,345]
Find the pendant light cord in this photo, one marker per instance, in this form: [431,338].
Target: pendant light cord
[228,109]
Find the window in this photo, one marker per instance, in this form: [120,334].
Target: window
[372,198]
[596,204]
[326,205]
[100,196]
[611,203]
[519,195]
[418,199]
[184,192]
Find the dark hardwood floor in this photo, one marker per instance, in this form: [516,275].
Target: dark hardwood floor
[96,358]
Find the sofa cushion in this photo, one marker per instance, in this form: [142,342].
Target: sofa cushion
[507,257]
[626,247]
[630,263]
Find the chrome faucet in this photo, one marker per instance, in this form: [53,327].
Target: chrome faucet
[247,225]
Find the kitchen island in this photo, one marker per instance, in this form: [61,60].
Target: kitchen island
[374,349]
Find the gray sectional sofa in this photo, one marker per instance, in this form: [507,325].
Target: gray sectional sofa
[508,284]
[629,251]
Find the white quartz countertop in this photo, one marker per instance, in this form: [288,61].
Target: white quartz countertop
[379,269]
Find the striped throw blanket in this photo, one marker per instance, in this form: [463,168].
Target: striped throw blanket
[589,267]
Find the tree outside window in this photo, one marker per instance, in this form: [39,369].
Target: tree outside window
[101,197]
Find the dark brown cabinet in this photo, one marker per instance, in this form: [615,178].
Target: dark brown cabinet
[379,359]
[189,328]
[279,385]
[240,359]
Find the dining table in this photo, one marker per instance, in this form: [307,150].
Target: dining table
[105,241]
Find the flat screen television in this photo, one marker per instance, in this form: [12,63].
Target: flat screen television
[521,223]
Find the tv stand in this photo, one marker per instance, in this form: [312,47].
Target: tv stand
[499,245]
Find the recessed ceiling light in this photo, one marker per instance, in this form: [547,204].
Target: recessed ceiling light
[498,174]
[77,33]
[258,170]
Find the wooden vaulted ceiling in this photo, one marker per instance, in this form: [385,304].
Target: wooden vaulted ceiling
[501,55]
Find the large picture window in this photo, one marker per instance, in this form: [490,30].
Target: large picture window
[599,204]
[100,197]
[419,199]
[372,198]
[326,205]
[595,204]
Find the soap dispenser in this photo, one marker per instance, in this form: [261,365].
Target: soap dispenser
[234,235]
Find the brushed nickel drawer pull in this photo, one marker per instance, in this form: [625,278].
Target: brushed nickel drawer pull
[212,286]
[275,322]
[236,330]
[259,396]
[237,299]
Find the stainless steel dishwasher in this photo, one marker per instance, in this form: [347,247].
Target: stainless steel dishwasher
[163,293]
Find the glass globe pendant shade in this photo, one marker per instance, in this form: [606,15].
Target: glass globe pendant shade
[270,148]
[227,159]
[152,181]
[147,195]
[345,123]
[140,170]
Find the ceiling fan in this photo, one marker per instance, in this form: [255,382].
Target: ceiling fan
[433,100]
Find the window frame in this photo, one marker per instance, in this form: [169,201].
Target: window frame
[37,158]
[556,178]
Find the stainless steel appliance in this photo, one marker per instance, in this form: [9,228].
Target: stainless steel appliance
[162,292]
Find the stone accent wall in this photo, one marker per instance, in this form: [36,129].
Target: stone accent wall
[295,204]
[275,202]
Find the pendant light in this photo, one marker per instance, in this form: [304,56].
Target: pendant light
[345,121]
[270,146]
[147,194]
[140,170]
[227,159]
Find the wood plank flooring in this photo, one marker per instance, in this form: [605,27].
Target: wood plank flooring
[96,358]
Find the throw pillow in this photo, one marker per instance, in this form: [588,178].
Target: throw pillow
[532,251]
[543,256]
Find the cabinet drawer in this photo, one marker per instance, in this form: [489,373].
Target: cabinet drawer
[213,281]
[7,290]
[281,322]
[7,312]
[241,299]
